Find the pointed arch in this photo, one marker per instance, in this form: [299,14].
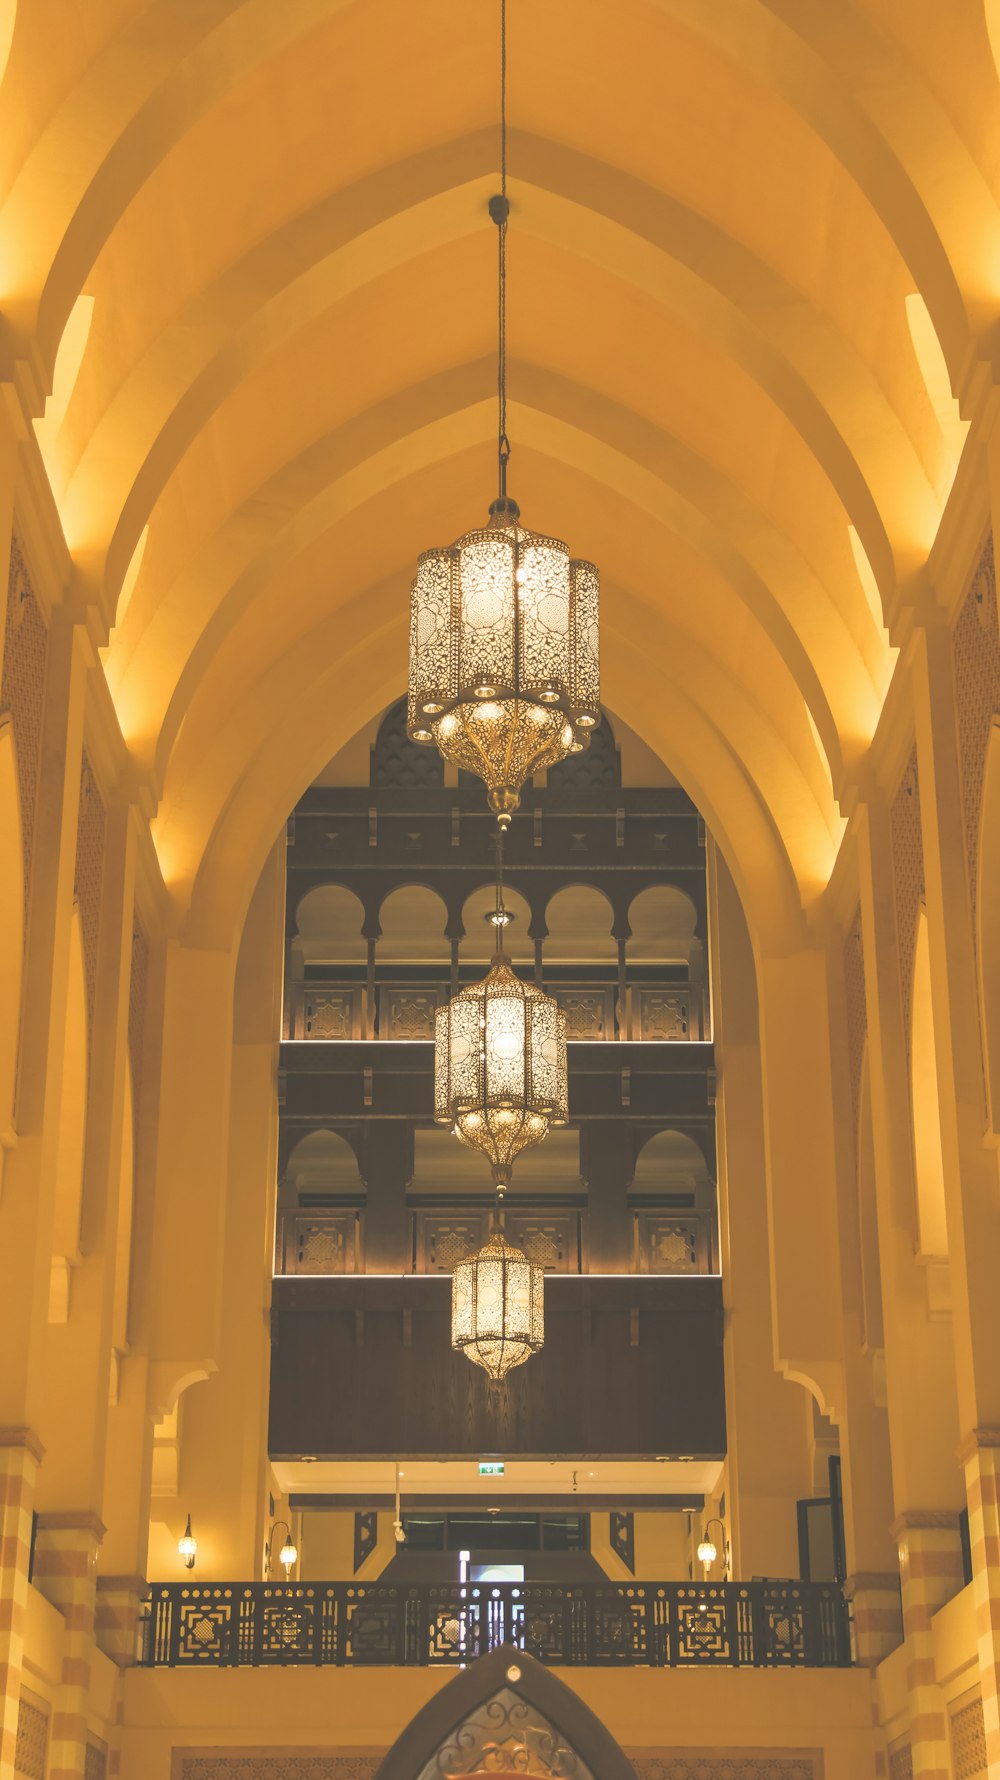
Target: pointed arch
[498,1698]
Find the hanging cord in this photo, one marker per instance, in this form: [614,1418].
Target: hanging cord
[500,917]
[500,211]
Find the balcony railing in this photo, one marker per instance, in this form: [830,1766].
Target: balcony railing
[653,1624]
[666,1012]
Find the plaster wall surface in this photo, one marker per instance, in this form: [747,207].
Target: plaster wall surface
[364,1710]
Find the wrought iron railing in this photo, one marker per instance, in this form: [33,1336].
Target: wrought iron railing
[659,1624]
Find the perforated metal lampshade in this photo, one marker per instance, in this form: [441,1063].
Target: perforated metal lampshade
[498,1307]
[500,1073]
[504,654]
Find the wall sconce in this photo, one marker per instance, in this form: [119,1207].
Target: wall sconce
[289,1553]
[707,1551]
[187,1546]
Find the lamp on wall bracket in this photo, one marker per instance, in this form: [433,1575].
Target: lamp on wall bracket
[504,669]
[187,1546]
[288,1555]
[707,1549]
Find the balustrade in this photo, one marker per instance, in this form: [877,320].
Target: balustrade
[655,1624]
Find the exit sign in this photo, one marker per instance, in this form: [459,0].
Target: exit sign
[491,1467]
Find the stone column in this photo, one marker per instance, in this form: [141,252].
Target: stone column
[970,1167]
[66,1547]
[119,1603]
[20,1455]
[981,1456]
[768,1457]
[930,1573]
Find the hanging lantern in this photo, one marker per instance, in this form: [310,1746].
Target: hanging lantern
[504,656]
[497,1307]
[500,1072]
[504,668]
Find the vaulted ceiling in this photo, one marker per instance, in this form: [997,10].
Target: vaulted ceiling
[754,258]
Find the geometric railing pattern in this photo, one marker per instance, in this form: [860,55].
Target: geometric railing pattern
[656,1624]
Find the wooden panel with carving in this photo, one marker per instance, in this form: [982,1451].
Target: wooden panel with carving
[552,1239]
[589,1010]
[406,1011]
[443,1238]
[668,1014]
[321,1242]
[673,1242]
[326,1011]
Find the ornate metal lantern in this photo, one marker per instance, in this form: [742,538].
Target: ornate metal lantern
[504,665]
[504,655]
[497,1307]
[500,1076]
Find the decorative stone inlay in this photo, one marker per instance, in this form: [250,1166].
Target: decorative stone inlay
[726,1764]
[289,1766]
[968,1741]
[901,1763]
[95,1763]
[32,1741]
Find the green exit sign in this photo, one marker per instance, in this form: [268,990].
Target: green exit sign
[491,1467]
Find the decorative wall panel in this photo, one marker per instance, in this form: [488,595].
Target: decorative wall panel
[672,1242]
[321,1242]
[291,1765]
[550,1239]
[32,1740]
[968,1741]
[908,869]
[326,1012]
[727,1764]
[407,1013]
[901,1763]
[22,691]
[443,1238]
[590,1012]
[95,1762]
[664,1014]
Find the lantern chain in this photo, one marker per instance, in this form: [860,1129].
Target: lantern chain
[499,211]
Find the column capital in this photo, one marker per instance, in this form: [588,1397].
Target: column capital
[924,1520]
[24,1437]
[975,1441]
[72,1520]
[871,1579]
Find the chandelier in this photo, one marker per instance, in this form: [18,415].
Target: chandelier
[504,670]
[500,1065]
[500,1081]
[497,1307]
